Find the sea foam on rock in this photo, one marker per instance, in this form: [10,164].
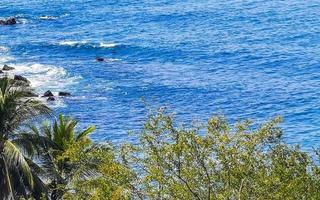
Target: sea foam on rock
[46,77]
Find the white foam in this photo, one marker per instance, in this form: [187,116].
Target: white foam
[48,17]
[72,43]
[44,77]
[4,59]
[57,103]
[86,43]
[22,20]
[107,45]
[4,49]
[112,59]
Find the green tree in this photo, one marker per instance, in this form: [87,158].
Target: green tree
[77,167]
[100,174]
[218,161]
[17,179]
[51,142]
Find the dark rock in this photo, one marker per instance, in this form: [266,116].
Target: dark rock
[1,72]
[18,83]
[21,81]
[51,99]
[7,68]
[99,59]
[48,94]
[21,78]
[21,84]
[30,94]
[10,21]
[64,94]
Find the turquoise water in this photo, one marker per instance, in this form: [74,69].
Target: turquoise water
[245,59]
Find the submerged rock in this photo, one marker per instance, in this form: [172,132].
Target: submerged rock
[51,99]
[99,59]
[7,68]
[10,21]
[64,94]
[48,94]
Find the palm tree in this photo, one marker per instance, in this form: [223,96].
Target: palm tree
[17,179]
[53,141]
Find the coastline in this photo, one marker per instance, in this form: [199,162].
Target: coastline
[9,72]
[177,100]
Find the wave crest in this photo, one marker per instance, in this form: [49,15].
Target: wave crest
[48,17]
[4,49]
[88,44]
[4,59]
[44,77]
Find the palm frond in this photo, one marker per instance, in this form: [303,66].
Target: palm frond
[32,144]
[15,108]
[15,159]
[86,132]
[5,181]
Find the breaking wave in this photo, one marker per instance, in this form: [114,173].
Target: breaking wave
[87,44]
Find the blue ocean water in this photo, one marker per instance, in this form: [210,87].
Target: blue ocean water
[251,59]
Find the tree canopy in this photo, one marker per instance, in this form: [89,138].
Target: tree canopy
[213,160]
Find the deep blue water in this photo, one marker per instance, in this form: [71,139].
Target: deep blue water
[245,59]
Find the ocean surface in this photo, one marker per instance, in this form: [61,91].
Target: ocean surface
[244,59]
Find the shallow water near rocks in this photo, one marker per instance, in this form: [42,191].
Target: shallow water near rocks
[245,59]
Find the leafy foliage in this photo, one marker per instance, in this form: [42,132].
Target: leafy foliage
[214,160]
[207,161]
[218,161]
[52,144]
[100,176]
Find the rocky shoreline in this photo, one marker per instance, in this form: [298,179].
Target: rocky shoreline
[24,82]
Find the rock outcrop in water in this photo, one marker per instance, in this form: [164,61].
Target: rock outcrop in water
[99,59]
[51,96]
[51,99]
[22,81]
[64,94]
[7,68]
[21,78]
[10,21]
[48,94]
